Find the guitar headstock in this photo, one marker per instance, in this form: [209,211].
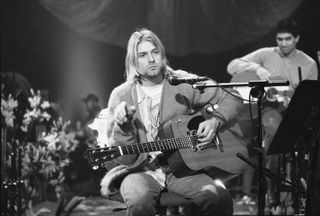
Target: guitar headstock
[97,156]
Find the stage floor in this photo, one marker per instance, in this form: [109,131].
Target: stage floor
[99,206]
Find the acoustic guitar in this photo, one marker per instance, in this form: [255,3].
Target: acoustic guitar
[178,142]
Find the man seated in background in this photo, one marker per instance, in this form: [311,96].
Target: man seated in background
[281,61]
[284,61]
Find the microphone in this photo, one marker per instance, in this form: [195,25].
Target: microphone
[173,80]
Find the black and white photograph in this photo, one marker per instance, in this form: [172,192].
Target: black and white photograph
[160,107]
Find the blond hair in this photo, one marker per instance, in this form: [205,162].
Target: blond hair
[143,34]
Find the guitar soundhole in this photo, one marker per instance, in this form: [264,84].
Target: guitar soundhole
[194,122]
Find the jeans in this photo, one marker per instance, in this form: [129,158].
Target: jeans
[141,193]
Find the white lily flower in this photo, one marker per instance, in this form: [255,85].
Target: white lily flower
[7,109]
[45,105]
[46,116]
[51,139]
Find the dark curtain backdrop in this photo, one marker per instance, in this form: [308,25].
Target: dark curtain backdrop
[192,26]
[76,47]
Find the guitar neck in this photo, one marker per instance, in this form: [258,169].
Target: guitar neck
[160,145]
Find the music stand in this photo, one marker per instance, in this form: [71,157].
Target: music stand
[300,130]
[292,125]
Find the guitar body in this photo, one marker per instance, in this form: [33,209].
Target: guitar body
[187,161]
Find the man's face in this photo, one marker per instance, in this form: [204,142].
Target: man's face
[149,60]
[286,42]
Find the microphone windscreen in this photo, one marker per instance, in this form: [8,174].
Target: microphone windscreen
[173,80]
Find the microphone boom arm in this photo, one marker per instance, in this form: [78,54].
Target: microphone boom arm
[253,83]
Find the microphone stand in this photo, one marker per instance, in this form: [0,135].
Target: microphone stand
[257,91]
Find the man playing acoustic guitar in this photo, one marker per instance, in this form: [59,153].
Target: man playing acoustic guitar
[139,110]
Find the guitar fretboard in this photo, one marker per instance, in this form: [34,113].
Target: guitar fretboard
[160,145]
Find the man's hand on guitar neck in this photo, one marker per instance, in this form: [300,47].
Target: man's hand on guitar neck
[123,112]
[207,131]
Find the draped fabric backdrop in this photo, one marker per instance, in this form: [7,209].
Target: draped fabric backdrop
[75,47]
[185,26]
